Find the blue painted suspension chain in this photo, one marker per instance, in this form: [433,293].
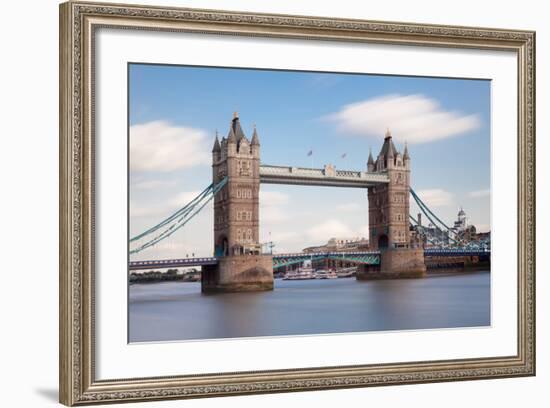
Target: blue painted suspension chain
[181,217]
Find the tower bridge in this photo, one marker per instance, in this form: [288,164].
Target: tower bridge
[238,263]
[242,266]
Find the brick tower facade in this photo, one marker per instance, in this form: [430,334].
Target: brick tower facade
[241,265]
[389,203]
[236,206]
[401,255]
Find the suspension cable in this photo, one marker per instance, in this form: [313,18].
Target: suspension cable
[182,217]
[421,203]
[182,211]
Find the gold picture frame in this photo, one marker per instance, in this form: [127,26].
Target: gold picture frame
[78,22]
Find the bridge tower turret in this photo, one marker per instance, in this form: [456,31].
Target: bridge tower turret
[389,203]
[389,214]
[236,216]
[236,206]
[370,162]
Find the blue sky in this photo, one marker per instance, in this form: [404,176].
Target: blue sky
[175,111]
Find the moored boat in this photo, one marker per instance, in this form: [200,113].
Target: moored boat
[302,273]
[324,274]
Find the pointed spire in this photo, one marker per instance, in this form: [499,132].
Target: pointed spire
[391,148]
[231,135]
[255,138]
[388,133]
[406,152]
[217,147]
[371,160]
[236,126]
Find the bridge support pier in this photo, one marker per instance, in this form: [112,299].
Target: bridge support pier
[396,263]
[239,273]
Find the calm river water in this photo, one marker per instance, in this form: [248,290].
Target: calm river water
[178,310]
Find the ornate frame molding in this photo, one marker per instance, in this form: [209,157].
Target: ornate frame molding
[78,20]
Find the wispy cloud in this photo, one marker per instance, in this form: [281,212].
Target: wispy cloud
[329,229]
[479,193]
[183,198]
[351,207]
[272,206]
[412,118]
[436,197]
[273,198]
[137,209]
[153,184]
[166,207]
[160,146]
[272,215]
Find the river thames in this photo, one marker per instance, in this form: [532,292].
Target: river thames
[171,311]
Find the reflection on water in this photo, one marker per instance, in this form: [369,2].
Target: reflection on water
[178,310]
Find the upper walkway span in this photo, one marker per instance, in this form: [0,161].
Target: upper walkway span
[327,176]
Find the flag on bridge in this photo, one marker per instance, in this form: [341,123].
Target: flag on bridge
[310,153]
[344,155]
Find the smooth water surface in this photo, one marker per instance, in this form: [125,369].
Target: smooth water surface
[178,310]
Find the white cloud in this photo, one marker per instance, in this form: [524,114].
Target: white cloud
[139,210]
[329,229]
[272,215]
[351,207]
[480,193]
[166,207]
[412,118]
[363,231]
[183,198]
[152,184]
[160,146]
[273,198]
[436,197]
[272,206]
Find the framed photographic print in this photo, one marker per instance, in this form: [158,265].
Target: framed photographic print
[255,203]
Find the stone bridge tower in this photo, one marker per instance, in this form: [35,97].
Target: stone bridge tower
[236,216]
[389,232]
[236,206]
[389,203]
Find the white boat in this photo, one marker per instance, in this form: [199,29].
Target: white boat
[324,274]
[346,272]
[302,273]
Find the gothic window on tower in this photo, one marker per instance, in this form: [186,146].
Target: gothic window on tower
[244,168]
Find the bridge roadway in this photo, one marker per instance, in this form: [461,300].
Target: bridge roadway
[186,262]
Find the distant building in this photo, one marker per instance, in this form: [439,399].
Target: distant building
[462,231]
[461,222]
[430,235]
[340,244]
